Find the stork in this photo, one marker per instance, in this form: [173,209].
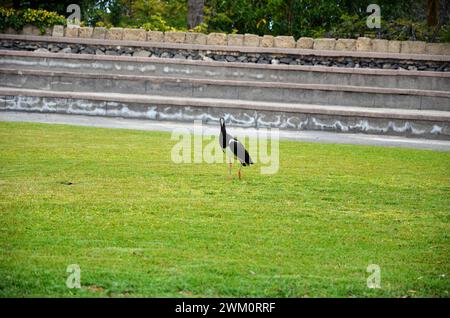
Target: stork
[233,148]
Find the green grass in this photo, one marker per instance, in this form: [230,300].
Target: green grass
[140,225]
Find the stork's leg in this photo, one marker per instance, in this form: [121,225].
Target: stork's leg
[230,165]
[239,172]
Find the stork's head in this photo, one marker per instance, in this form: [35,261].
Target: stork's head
[222,122]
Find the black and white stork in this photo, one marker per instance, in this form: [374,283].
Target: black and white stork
[233,148]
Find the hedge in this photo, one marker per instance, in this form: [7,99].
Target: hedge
[17,19]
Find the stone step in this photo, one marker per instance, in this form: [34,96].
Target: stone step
[410,54]
[297,116]
[322,94]
[422,80]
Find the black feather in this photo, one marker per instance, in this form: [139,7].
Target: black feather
[235,145]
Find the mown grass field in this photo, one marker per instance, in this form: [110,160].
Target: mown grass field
[140,225]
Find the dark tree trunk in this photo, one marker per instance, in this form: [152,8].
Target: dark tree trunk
[195,12]
[433,12]
[443,14]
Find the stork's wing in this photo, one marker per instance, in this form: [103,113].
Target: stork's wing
[222,140]
[240,152]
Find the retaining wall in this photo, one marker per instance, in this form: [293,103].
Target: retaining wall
[342,99]
[362,44]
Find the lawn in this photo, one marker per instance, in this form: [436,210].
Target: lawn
[113,202]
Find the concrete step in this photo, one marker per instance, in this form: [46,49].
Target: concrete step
[322,94]
[123,65]
[297,116]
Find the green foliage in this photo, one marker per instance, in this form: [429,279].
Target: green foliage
[156,23]
[401,20]
[220,22]
[201,28]
[17,19]
[10,19]
[399,29]
[244,16]
[444,34]
[161,15]
[304,17]
[116,9]
[409,30]
[90,9]
[175,13]
[337,18]
[351,26]
[103,24]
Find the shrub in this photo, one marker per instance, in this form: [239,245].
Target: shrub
[201,28]
[103,24]
[400,29]
[156,23]
[16,19]
[10,19]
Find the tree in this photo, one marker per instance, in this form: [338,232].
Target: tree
[195,13]
[437,15]
[433,12]
[443,15]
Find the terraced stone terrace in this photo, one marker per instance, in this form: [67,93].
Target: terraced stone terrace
[365,92]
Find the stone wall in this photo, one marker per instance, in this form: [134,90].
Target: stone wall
[434,63]
[362,44]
